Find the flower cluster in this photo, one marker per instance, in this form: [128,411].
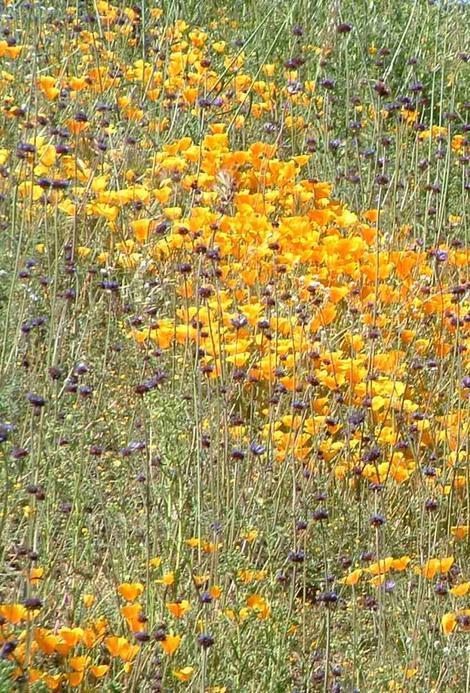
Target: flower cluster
[234,436]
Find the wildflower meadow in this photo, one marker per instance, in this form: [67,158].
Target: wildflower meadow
[234,346]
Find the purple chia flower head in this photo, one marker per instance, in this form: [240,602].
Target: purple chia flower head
[8,648]
[60,184]
[382,89]
[35,400]
[237,454]
[328,83]
[334,145]
[463,620]
[296,556]
[320,514]
[257,448]
[19,453]
[356,417]
[32,603]
[372,455]
[429,472]
[141,636]
[441,255]
[441,589]
[239,322]
[377,520]
[205,640]
[327,597]
[294,87]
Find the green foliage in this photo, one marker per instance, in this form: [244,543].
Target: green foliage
[109,474]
